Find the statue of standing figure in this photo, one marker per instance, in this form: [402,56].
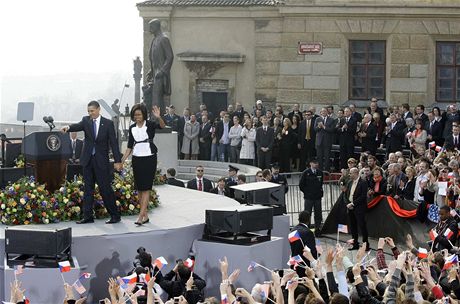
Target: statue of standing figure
[161,58]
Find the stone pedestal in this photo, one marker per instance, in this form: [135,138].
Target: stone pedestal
[167,150]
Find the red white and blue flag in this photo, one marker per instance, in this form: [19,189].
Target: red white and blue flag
[189,263]
[251,266]
[450,261]
[131,279]
[422,253]
[294,236]
[84,276]
[79,287]
[432,144]
[64,266]
[448,233]
[160,262]
[342,228]
[433,234]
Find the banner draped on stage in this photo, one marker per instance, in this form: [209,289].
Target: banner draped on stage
[385,217]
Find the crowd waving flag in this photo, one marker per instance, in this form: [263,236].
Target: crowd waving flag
[131,279]
[448,233]
[251,266]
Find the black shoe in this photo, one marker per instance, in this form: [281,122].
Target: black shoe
[85,221]
[146,221]
[113,220]
[138,223]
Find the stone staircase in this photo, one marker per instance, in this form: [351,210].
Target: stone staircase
[213,170]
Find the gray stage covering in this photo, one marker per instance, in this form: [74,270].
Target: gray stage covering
[108,250]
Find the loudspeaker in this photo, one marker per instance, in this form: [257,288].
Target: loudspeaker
[40,243]
[11,175]
[240,220]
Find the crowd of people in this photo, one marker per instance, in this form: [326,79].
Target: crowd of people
[263,136]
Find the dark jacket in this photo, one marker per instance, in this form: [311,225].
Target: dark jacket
[302,133]
[308,239]
[174,182]
[264,139]
[280,179]
[207,185]
[382,187]
[359,196]
[311,184]
[151,126]
[174,286]
[449,143]
[368,142]
[442,242]
[394,139]
[226,191]
[105,140]
[435,130]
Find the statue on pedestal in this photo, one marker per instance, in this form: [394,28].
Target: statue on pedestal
[161,58]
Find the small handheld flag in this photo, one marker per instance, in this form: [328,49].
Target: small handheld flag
[451,175]
[251,266]
[131,279]
[293,236]
[342,228]
[433,234]
[422,253]
[64,266]
[319,248]
[18,269]
[79,287]
[189,263]
[450,261]
[298,259]
[432,144]
[144,277]
[438,149]
[453,212]
[448,233]
[160,262]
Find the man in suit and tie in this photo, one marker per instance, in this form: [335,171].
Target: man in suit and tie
[367,135]
[99,137]
[453,141]
[264,144]
[356,196]
[325,130]
[306,139]
[171,178]
[394,137]
[356,115]
[405,112]
[434,130]
[205,138]
[200,183]
[76,146]
[347,131]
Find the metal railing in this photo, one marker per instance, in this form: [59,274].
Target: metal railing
[294,197]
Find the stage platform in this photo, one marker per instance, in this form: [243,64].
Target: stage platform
[109,250]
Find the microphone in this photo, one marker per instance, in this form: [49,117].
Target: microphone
[49,120]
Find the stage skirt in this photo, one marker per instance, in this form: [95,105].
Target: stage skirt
[144,169]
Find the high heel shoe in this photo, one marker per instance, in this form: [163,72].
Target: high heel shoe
[146,221]
[138,223]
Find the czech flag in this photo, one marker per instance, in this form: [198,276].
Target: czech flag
[251,266]
[131,279]
[160,262]
[450,261]
[85,275]
[422,253]
[342,228]
[448,233]
[64,266]
[438,149]
[144,277]
[189,263]
[293,236]
[432,144]
[433,234]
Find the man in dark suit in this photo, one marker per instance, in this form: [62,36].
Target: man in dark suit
[200,183]
[99,137]
[205,138]
[76,146]
[306,139]
[346,132]
[295,111]
[356,115]
[221,188]
[453,140]
[171,119]
[171,178]
[367,135]
[420,114]
[356,196]
[325,130]
[434,130]
[394,137]
[311,185]
[264,144]
[446,221]
[406,113]
[308,239]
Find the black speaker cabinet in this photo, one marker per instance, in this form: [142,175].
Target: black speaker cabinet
[262,193]
[46,244]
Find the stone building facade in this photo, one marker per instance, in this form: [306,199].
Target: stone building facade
[402,51]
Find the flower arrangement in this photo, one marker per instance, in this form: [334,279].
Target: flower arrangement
[27,202]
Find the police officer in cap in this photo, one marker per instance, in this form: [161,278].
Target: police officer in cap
[277,178]
[232,179]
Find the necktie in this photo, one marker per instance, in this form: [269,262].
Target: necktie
[95,135]
[200,185]
[325,119]
[308,136]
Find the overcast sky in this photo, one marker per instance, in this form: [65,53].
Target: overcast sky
[42,37]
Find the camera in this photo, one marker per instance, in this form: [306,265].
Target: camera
[143,261]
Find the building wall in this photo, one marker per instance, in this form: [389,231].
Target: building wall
[275,73]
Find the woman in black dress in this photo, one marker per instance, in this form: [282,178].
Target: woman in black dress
[144,160]
[286,141]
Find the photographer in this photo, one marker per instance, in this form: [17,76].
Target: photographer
[181,281]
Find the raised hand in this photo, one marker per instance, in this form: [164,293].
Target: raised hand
[234,276]
[156,111]
[390,242]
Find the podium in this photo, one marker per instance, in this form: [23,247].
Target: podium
[48,152]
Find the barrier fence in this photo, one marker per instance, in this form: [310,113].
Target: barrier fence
[294,197]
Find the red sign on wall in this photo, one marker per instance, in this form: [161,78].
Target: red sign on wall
[310,48]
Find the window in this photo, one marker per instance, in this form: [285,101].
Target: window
[448,71]
[367,69]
